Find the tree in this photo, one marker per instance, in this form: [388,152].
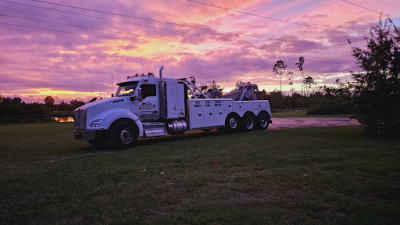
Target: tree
[63,106]
[75,104]
[377,87]
[300,66]
[278,69]
[308,82]
[49,102]
[276,98]
[291,80]
[93,99]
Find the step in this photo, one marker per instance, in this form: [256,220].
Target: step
[154,129]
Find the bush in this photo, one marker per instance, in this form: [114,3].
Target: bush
[377,88]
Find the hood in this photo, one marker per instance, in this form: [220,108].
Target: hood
[103,102]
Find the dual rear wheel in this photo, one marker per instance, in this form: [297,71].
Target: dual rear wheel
[249,122]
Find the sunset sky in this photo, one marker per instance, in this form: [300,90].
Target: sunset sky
[77,49]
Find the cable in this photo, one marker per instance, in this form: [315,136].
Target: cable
[120,21]
[46,21]
[90,35]
[352,3]
[129,23]
[118,14]
[80,14]
[73,33]
[113,21]
[261,16]
[135,17]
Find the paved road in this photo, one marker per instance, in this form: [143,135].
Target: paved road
[284,123]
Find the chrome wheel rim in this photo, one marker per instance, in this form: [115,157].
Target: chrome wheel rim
[233,123]
[126,136]
[263,122]
[249,124]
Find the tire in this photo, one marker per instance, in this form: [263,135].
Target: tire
[249,122]
[123,134]
[232,123]
[101,141]
[262,121]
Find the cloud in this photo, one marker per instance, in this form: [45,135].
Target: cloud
[188,38]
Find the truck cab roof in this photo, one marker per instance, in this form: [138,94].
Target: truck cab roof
[145,78]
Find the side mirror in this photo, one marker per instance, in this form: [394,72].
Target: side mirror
[132,97]
[112,95]
[139,94]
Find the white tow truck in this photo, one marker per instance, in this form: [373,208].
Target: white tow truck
[148,106]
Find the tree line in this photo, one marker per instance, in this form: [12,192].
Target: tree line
[322,100]
[15,107]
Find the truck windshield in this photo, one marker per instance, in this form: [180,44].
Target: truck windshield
[126,89]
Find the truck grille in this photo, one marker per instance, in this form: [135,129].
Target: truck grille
[80,119]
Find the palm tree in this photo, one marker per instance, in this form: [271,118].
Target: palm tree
[308,81]
[291,80]
[300,66]
[278,69]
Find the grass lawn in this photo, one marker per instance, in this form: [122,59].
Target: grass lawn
[304,114]
[333,175]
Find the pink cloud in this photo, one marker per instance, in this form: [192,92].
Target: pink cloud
[188,38]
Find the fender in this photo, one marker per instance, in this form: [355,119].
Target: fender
[110,116]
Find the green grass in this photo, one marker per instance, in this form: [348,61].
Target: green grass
[334,175]
[304,114]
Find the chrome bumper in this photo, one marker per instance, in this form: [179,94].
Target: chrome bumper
[84,134]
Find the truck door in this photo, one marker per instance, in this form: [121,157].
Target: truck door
[148,109]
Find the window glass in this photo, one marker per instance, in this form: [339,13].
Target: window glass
[126,89]
[148,90]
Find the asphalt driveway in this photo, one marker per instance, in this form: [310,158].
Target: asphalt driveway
[284,123]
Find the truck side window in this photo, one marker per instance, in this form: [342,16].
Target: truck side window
[148,90]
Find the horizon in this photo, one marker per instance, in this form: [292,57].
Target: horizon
[77,50]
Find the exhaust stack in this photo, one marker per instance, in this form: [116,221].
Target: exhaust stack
[163,97]
[161,69]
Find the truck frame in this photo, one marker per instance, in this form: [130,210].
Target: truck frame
[148,106]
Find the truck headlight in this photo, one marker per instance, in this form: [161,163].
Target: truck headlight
[95,123]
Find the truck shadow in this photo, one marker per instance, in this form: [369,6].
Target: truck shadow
[156,140]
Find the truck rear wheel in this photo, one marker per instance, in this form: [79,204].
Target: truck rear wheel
[123,134]
[248,122]
[262,121]
[232,123]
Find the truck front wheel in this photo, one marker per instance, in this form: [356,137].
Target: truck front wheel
[123,134]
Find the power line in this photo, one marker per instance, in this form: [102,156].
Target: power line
[179,3]
[141,18]
[265,17]
[114,20]
[89,35]
[91,28]
[103,19]
[97,17]
[123,21]
[46,21]
[119,14]
[352,3]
